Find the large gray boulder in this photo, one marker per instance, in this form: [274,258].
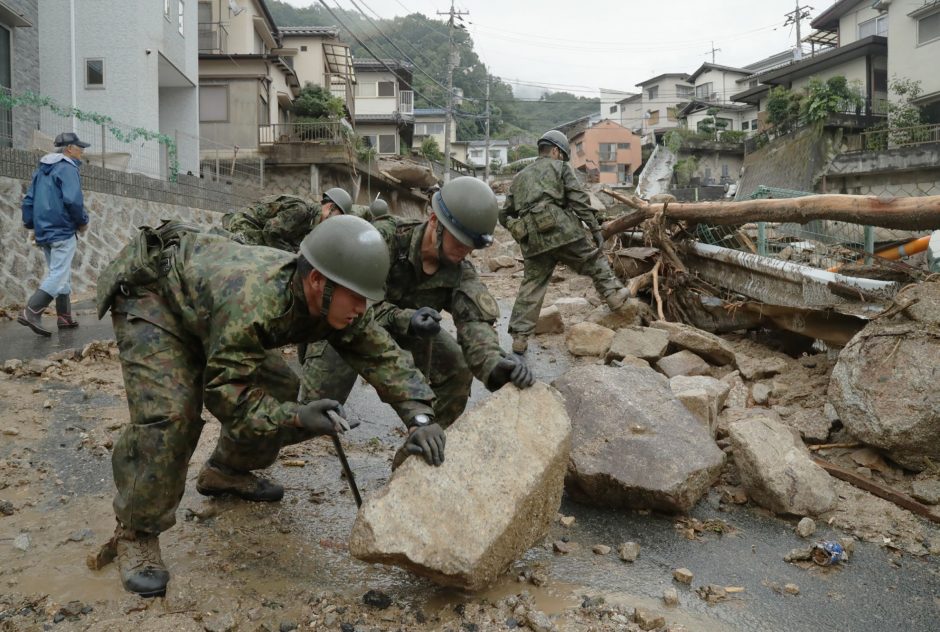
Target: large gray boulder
[702,343]
[497,492]
[635,445]
[703,396]
[884,386]
[639,342]
[776,469]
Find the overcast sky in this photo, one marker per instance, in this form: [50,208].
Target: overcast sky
[582,45]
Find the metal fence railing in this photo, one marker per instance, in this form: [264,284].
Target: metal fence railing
[313,132]
[823,244]
[889,138]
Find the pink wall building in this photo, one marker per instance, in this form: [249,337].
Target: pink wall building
[606,152]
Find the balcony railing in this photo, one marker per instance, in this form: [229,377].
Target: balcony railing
[882,139]
[212,37]
[328,132]
[406,102]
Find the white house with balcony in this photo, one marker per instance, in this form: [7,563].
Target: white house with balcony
[384,104]
[662,96]
[318,56]
[477,152]
[134,62]
[713,86]
[430,123]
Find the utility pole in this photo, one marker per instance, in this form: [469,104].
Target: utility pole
[795,17]
[486,142]
[452,62]
[713,51]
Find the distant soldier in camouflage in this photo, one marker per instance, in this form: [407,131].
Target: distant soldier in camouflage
[197,321]
[430,274]
[544,211]
[282,221]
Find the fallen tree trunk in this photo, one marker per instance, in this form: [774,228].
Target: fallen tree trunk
[908,213]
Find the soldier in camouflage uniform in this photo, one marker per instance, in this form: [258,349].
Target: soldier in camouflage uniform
[281,221]
[429,274]
[198,321]
[544,211]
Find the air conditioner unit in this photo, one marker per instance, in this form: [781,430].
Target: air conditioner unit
[713,96]
[234,8]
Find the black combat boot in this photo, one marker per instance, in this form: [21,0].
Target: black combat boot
[138,557]
[63,309]
[31,316]
[216,480]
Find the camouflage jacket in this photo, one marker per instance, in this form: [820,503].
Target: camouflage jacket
[277,221]
[454,289]
[241,301]
[545,207]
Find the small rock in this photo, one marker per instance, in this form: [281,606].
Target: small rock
[538,577]
[572,306]
[628,551]
[12,366]
[648,620]
[806,527]
[760,392]
[561,547]
[791,589]
[377,599]
[593,602]
[566,521]
[538,621]
[639,342]
[799,555]
[758,369]
[682,363]
[926,491]
[78,536]
[219,623]
[47,403]
[38,366]
[498,263]
[287,626]
[632,312]
[683,575]
[671,596]
[601,549]
[6,508]
[588,339]
[830,411]
[712,593]
[21,542]
[11,432]
[550,321]
[702,343]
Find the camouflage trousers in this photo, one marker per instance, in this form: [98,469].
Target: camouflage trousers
[163,377]
[326,376]
[581,256]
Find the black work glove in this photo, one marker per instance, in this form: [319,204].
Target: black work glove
[428,440]
[599,239]
[324,416]
[513,369]
[425,322]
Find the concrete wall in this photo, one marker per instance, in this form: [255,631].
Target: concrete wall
[310,64]
[113,222]
[242,126]
[901,172]
[906,58]
[366,85]
[369,129]
[853,70]
[631,114]
[666,98]
[848,23]
[25,66]
[723,83]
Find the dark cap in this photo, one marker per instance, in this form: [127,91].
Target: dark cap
[69,138]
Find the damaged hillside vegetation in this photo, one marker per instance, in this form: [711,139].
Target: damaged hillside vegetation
[753,438]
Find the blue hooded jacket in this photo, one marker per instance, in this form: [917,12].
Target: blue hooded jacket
[54,206]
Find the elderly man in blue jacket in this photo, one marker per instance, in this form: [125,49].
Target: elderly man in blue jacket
[55,210]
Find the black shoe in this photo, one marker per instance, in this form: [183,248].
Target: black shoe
[214,480]
[31,316]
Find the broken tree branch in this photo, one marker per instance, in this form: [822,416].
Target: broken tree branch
[881,491]
[640,282]
[659,300]
[908,213]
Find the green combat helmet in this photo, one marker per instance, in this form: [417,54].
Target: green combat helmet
[559,140]
[340,198]
[350,252]
[467,208]
[379,208]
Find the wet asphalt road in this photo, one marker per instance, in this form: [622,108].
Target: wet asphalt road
[876,591]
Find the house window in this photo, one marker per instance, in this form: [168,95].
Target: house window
[213,104]
[754,124]
[874,26]
[928,28]
[744,125]
[387,144]
[386,88]
[623,174]
[181,11]
[684,92]
[303,49]
[724,171]
[607,152]
[652,117]
[623,145]
[609,167]
[428,129]
[653,92]
[264,115]
[879,78]
[671,114]
[613,109]
[365,89]
[729,124]
[703,91]
[94,73]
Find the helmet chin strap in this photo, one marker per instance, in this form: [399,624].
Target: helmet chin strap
[440,244]
[327,297]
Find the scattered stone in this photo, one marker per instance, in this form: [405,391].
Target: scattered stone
[628,551]
[21,542]
[671,596]
[377,599]
[703,396]
[639,342]
[712,593]
[791,589]
[870,458]
[78,536]
[702,343]
[550,321]
[683,575]
[38,366]
[12,366]
[631,361]
[760,393]
[601,549]
[223,622]
[538,577]
[738,393]
[538,621]
[760,368]
[401,523]
[566,521]
[631,411]
[648,620]
[925,490]
[287,626]
[572,306]
[11,432]
[47,403]
[498,263]
[776,469]
[560,546]
[799,555]
[831,415]
[592,602]
[631,313]
[808,422]
[682,363]
[806,527]
[588,339]
[893,405]
[6,508]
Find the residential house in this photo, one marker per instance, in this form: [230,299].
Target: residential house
[477,152]
[914,47]
[430,123]
[610,103]
[714,84]
[384,106]
[137,65]
[631,112]
[606,152]
[319,57]
[19,68]
[663,96]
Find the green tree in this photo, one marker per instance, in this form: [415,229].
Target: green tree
[712,125]
[315,103]
[522,151]
[431,150]
[783,109]
[828,97]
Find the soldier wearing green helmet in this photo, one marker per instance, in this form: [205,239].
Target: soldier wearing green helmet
[430,274]
[546,211]
[198,320]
